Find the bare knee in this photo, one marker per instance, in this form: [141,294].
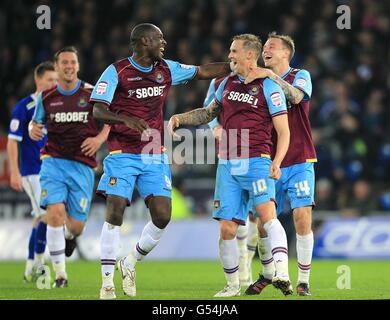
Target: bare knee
[55,214]
[302,220]
[75,227]
[115,209]
[160,211]
[228,229]
[262,232]
[266,211]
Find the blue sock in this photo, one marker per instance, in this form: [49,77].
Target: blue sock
[31,244]
[40,238]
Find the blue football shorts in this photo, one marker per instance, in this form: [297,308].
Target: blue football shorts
[238,181]
[123,171]
[69,182]
[297,182]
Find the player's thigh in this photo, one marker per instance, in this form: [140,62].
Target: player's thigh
[80,183]
[230,199]
[32,187]
[120,172]
[53,182]
[301,183]
[155,178]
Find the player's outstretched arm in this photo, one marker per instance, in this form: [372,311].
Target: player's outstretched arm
[283,140]
[194,117]
[213,70]
[101,113]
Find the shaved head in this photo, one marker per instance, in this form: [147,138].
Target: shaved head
[142,30]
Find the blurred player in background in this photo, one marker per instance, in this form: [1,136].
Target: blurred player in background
[297,179]
[27,176]
[247,234]
[69,156]
[130,96]
[255,108]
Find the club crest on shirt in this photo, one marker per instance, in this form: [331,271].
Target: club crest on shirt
[159,77]
[254,90]
[113,181]
[83,102]
[43,193]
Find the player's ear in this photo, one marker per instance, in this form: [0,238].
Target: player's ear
[145,41]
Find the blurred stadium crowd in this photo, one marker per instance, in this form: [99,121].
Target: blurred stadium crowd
[350,111]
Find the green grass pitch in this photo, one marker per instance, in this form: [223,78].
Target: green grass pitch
[181,280]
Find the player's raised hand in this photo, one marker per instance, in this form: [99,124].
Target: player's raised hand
[256,73]
[137,124]
[35,131]
[274,171]
[16,181]
[172,125]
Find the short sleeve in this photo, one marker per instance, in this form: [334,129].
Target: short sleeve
[275,97]
[105,87]
[210,94]
[39,114]
[18,117]
[302,81]
[181,73]
[209,98]
[219,93]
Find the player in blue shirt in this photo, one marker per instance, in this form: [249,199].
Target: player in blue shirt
[26,177]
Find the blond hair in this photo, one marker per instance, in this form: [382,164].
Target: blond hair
[250,42]
[287,41]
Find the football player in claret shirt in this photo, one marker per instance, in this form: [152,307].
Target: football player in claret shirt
[247,234]
[248,113]
[298,166]
[130,96]
[68,157]
[27,177]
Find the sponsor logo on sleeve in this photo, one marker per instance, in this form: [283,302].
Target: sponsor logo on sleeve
[301,82]
[14,125]
[101,88]
[276,99]
[185,66]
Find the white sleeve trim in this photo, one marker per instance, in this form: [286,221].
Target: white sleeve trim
[15,137]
